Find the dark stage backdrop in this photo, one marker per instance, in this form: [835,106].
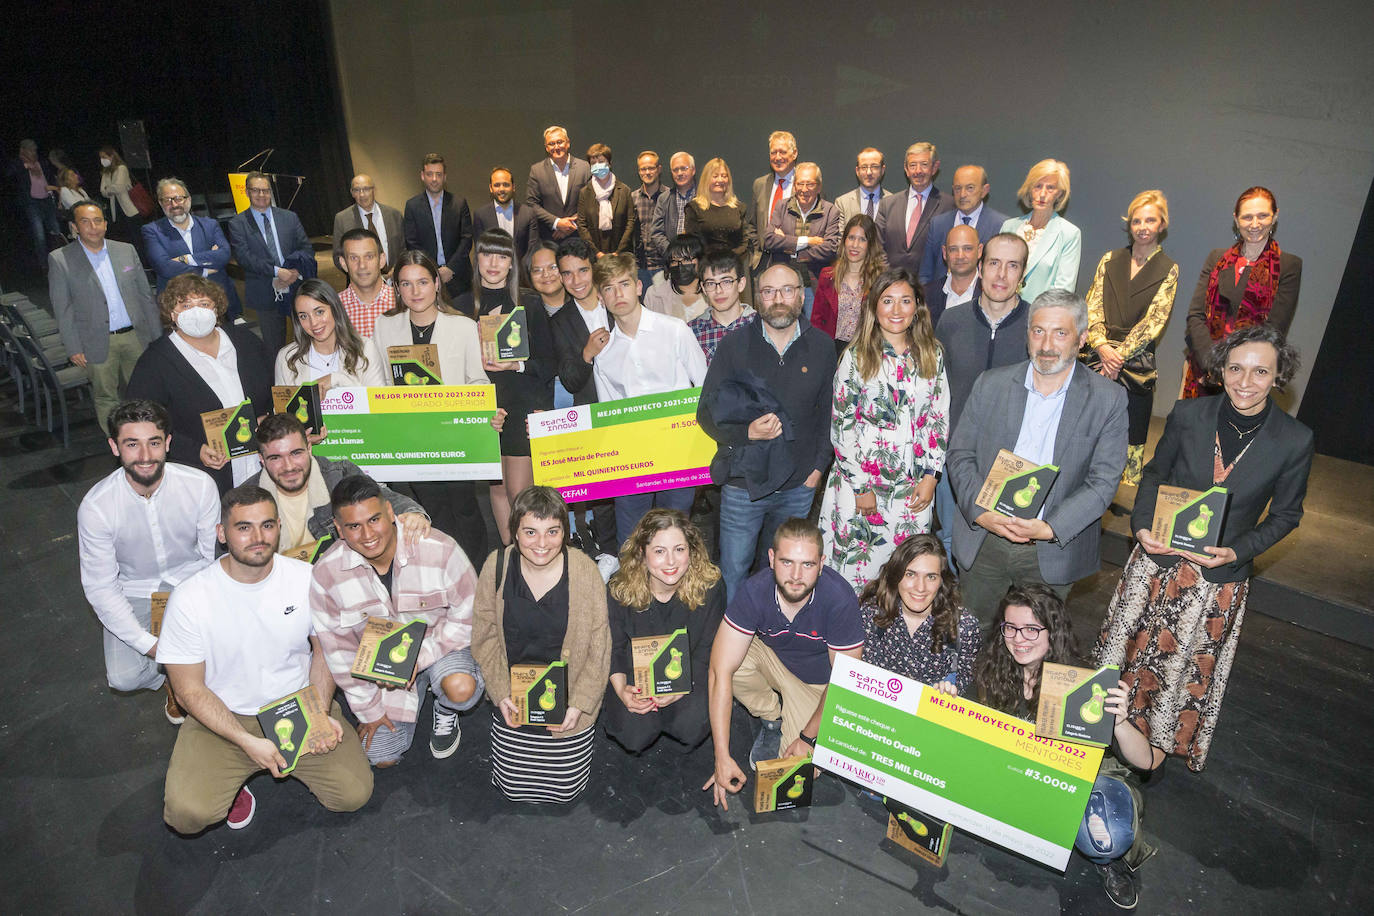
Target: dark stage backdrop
[1200,100]
[1344,423]
[212,82]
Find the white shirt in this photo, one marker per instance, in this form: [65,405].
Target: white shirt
[221,373]
[131,546]
[911,195]
[186,239]
[561,176]
[952,298]
[253,639]
[378,224]
[596,319]
[662,356]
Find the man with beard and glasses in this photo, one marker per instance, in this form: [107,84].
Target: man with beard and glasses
[143,529]
[774,650]
[766,401]
[183,242]
[301,484]
[238,636]
[1047,410]
[378,573]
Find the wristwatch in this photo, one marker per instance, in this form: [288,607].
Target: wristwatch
[807,738]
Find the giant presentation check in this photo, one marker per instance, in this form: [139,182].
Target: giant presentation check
[981,770]
[415,432]
[616,448]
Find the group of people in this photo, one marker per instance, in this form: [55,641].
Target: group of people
[862,362]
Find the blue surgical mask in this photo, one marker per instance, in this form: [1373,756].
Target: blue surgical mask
[601,170]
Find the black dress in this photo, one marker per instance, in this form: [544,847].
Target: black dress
[520,393]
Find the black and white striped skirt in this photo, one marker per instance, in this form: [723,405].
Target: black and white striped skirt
[541,768]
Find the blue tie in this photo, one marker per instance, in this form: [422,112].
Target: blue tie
[965,218]
[270,237]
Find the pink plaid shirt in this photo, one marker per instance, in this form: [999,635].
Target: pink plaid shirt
[434,582]
[364,316]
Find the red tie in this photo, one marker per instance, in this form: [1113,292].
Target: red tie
[912,220]
[777,195]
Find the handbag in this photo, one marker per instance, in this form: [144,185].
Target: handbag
[141,199]
[1137,375]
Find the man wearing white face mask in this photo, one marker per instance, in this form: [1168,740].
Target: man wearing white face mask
[606,216]
[103,305]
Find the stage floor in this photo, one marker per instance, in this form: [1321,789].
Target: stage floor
[1278,822]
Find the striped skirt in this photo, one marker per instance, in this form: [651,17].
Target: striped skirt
[531,767]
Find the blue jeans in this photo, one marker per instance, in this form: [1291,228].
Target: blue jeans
[744,522]
[630,509]
[1111,811]
[41,215]
[389,744]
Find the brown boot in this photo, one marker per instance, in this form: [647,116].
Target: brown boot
[175,714]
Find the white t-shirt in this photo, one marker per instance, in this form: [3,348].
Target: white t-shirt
[253,639]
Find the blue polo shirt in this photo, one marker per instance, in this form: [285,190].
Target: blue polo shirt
[829,620]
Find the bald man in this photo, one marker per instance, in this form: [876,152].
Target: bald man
[368,213]
[961,252]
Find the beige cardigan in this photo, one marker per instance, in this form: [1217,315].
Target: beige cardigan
[460,348]
[586,644]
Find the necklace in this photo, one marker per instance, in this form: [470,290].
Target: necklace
[1242,433]
[421,335]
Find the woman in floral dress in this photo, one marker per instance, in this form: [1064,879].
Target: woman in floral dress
[889,426]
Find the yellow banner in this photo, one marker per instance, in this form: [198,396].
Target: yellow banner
[436,399]
[1009,733]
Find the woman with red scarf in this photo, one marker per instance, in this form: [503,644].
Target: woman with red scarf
[1250,283]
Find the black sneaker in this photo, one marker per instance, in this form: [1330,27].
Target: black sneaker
[1119,884]
[444,738]
[766,743]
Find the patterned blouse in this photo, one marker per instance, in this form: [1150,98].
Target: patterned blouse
[894,649]
[850,306]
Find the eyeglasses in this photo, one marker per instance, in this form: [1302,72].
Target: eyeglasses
[180,199]
[712,285]
[544,271]
[259,190]
[1029,632]
[772,292]
[870,168]
[361,190]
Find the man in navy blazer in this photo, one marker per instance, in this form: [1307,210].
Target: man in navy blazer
[554,184]
[181,242]
[437,222]
[1046,410]
[271,246]
[970,193]
[904,243]
[504,213]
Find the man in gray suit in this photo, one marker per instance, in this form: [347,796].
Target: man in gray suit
[1047,410]
[775,187]
[554,185]
[103,305]
[668,215]
[369,213]
[904,219]
[869,168]
[970,193]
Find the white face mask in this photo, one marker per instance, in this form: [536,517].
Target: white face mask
[196,322]
[105,163]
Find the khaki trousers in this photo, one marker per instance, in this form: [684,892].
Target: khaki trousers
[770,691]
[110,377]
[207,771]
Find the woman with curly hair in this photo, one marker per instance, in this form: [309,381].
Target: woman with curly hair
[938,640]
[842,288]
[1174,624]
[1031,628]
[666,582]
[889,426]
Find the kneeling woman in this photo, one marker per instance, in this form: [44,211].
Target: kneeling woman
[666,582]
[1032,627]
[937,640]
[539,603]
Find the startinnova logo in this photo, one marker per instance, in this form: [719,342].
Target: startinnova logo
[876,687]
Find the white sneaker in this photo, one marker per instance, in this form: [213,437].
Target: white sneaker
[608,565]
